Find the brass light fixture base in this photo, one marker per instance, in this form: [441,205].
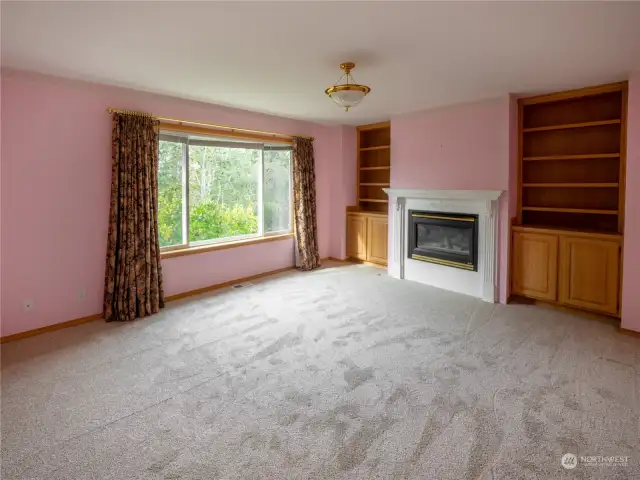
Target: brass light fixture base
[347,66]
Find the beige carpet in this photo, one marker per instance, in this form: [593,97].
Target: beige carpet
[339,373]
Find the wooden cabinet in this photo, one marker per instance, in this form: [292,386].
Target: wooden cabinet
[367,237]
[576,269]
[535,265]
[589,274]
[377,236]
[357,236]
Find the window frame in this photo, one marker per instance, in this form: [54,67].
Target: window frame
[229,142]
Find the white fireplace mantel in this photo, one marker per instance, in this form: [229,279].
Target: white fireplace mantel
[484,203]
[444,194]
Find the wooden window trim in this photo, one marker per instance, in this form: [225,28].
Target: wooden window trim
[189,129]
[223,246]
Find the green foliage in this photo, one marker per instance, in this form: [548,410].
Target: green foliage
[170,215]
[223,191]
[210,220]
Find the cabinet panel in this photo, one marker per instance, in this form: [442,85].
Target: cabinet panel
[357,236]
[535,265]
[377,239]
[589,274]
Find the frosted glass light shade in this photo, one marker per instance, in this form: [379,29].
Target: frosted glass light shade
[347,98]
[348,95]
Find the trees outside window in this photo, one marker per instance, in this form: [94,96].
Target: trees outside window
[217,190]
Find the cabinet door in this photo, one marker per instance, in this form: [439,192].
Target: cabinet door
[535,265]
[377,239]
[357,236]
[589,273]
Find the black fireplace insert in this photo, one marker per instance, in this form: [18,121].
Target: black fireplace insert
[449,239]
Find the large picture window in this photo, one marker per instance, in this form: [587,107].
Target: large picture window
[218,190]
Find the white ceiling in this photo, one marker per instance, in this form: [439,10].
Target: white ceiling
[279,57]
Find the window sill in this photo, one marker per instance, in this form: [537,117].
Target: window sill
[222,246]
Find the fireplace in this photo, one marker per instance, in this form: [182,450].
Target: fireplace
[449,239]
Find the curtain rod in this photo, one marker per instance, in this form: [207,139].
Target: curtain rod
[211,125]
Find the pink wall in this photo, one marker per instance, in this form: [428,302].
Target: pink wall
[631,259]
[55,187]
[462,147]
[343,191]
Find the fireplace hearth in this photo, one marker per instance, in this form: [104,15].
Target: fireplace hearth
[449,239]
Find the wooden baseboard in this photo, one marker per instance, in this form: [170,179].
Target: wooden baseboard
[363,262]
[50,328]
[632,333]
[341,260]
[599,316]
[98,316]
[218,286]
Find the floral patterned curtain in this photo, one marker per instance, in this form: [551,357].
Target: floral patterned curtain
[133,279]
[304,204]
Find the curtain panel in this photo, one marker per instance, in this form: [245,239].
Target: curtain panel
[133,278]
[304,199]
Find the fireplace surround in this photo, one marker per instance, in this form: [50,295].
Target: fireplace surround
[481,281]
[444,238]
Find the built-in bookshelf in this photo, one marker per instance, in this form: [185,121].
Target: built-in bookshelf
[374,166]
[572,147]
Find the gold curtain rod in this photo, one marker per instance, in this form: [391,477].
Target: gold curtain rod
[211,125]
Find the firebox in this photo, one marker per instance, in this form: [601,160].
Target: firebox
[449,239]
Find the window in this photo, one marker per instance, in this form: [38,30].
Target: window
[212,190]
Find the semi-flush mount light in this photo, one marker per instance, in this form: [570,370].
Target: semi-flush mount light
[347,94]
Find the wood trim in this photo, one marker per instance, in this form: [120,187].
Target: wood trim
[569,94]
[374,126]
[570,233]
[367,213]
[572,125]
[382,147]
[570,185]
[364,262]
[623,161]
[170,298]
[587,314]
[50,328]
[175,127]
[570,210]
[572,157]
[633,333]
[358,168]
[218,286]
[341,260]
[222,246]
[520,172]
[510,261]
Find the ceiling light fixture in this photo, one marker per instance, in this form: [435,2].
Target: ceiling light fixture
[347,94]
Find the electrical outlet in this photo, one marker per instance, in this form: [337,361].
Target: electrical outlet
[82,293]
[28,304]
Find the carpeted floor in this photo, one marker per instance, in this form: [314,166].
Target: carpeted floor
[339,373]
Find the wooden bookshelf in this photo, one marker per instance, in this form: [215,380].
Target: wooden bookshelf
[568,234]
[572,159]
[374,166]
[367,225]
